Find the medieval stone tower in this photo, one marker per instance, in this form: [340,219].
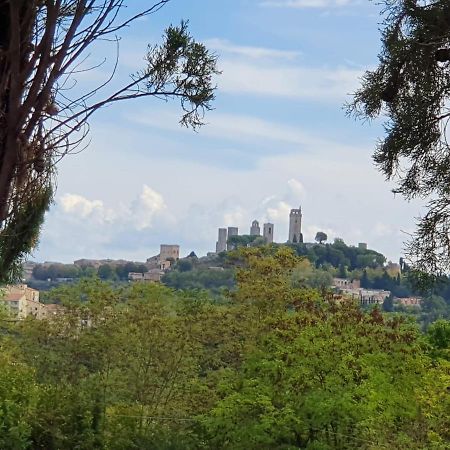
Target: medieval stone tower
[268,232]
[295,226]
[254,229]
[221,244]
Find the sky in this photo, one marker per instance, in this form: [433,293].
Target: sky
[278,138]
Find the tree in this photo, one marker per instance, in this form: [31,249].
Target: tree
[243,240]
[184,265]
[18,397]
[315,380]
[439,334]
[365,282]
[411,87]
[105,272]
[342,273]
[321,237]
[388,304]
[43,44]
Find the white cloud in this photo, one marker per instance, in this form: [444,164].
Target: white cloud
[150,204]
[382,229]
[235,217]
[297,4]
[238,128]
[226,47]
[322,84]
[297,188]
[139,214]
[279,213]
[84,208]
[275,72]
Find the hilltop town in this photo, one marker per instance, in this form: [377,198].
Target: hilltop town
[295,232]
[346,277]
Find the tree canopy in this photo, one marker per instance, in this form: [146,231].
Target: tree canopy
[411,89]
[273,366]
[321,237]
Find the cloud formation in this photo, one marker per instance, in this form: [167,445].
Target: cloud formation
[226,47]
[139,214]
[292,82]
[266,71]
[80,206]
[149,204]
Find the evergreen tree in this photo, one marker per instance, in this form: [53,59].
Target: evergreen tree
[411,87]
[365,282]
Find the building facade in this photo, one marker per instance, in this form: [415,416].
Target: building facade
[295,226]
[344,283]
[169,252]
[23,302]
[268,232]
[221,244]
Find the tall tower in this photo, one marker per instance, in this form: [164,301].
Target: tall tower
[268,232]
[254,229]
[221,244]
[295,226]
[232,231]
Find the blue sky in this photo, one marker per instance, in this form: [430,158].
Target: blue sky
[277,138]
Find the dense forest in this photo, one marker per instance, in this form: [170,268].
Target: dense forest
[273,365]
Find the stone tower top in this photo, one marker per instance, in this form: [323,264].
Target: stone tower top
[254,229]
[295,226]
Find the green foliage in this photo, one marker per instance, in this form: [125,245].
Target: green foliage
[214,280]
[105,272]
[18,398]
[20,234]
[53,271]
[243,240]
[305,275]
[321,237]
[183,68]
[323,385]
[43,272]
[339,254]
[122,270]
[411,88]
[388,304]
[439,337]
[276,366]
[184,265]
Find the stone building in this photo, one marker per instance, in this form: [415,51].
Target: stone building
[268,232]
[23,301]
[408,301]
[167,255]
[232,231]
[169,252]
[221,244]
[152,276]
[295,226]
[344,283]
[254,229]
